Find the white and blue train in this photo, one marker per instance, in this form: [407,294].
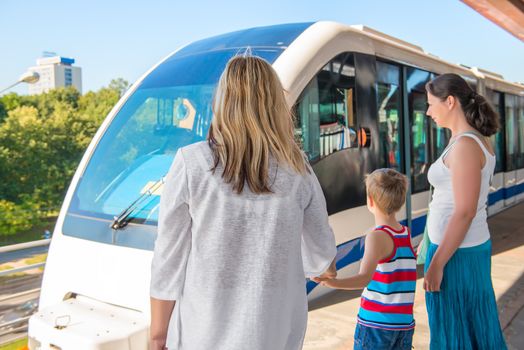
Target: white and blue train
[360,104]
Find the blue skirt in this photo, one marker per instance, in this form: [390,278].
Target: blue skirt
[463,315]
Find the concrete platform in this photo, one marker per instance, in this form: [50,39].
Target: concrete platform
[332,319]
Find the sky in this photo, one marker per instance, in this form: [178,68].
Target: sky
[123,39]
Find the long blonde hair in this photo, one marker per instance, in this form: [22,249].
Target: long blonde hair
[252,122]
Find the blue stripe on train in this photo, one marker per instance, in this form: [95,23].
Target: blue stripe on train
[505,193]
[352,251]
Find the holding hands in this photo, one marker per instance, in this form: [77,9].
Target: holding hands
[330,273]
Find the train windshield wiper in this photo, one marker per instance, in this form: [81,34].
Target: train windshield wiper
[125,216]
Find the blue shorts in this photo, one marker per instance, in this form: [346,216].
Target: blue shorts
[367,338]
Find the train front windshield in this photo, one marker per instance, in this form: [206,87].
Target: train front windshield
[170,109]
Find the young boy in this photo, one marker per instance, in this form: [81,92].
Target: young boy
[387,270]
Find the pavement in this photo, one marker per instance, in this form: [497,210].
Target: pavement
[332,319]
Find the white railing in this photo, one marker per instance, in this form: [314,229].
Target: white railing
[19,324]
[22,246]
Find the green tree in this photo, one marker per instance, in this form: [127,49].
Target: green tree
[42,139]
[120,85]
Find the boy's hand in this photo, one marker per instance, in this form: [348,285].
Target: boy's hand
[331,283]
[330,273]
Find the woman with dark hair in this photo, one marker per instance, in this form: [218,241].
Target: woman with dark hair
[460,300]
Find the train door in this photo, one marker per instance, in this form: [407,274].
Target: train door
[417,150]
[496,195]
[510,175]
[519,189]
[327,121]
[390,122]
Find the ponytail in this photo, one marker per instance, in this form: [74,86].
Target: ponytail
[480,115]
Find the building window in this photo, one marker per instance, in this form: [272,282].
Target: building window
[68,77]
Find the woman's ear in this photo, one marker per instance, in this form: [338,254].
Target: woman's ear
[451,101]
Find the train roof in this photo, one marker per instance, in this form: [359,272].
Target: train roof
[301,38]
[320,37]
[493,80]
[274,36]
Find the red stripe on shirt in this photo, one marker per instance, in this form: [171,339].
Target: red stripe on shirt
[403,242]
[396,276]
[390,309]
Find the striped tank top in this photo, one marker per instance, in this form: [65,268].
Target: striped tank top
[387,301]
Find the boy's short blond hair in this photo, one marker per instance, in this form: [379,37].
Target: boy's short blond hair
[387,187]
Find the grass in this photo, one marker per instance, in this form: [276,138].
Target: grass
[36,259]
[5,267]
[20,344]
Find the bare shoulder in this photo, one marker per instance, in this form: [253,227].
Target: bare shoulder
[379,240]
[466,151]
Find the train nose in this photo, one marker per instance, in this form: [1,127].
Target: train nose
[82,323]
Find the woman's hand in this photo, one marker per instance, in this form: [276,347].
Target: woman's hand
[433,278]
[330,273]
[157,344]
[161,311]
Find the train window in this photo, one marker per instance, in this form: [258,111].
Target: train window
[419,125]
[389,112]
[419,142]
[440,139]
[511,142]
[325,111]
[170,109]
[497,140]
[520,130]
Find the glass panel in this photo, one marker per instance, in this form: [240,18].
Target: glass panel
[307,130]
[419,124]
[280,35]
[520,129]
[167,111]
[511,142]
[417,79]
[419,141]
[325,110]
[388,106]
[497,140]
[440,139]
[388,73]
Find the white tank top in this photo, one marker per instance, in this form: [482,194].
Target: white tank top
[442,201]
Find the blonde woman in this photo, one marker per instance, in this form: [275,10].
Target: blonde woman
[242,221]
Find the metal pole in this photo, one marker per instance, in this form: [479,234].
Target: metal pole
[7,88]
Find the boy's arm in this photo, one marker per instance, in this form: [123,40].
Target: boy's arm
[378,246]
